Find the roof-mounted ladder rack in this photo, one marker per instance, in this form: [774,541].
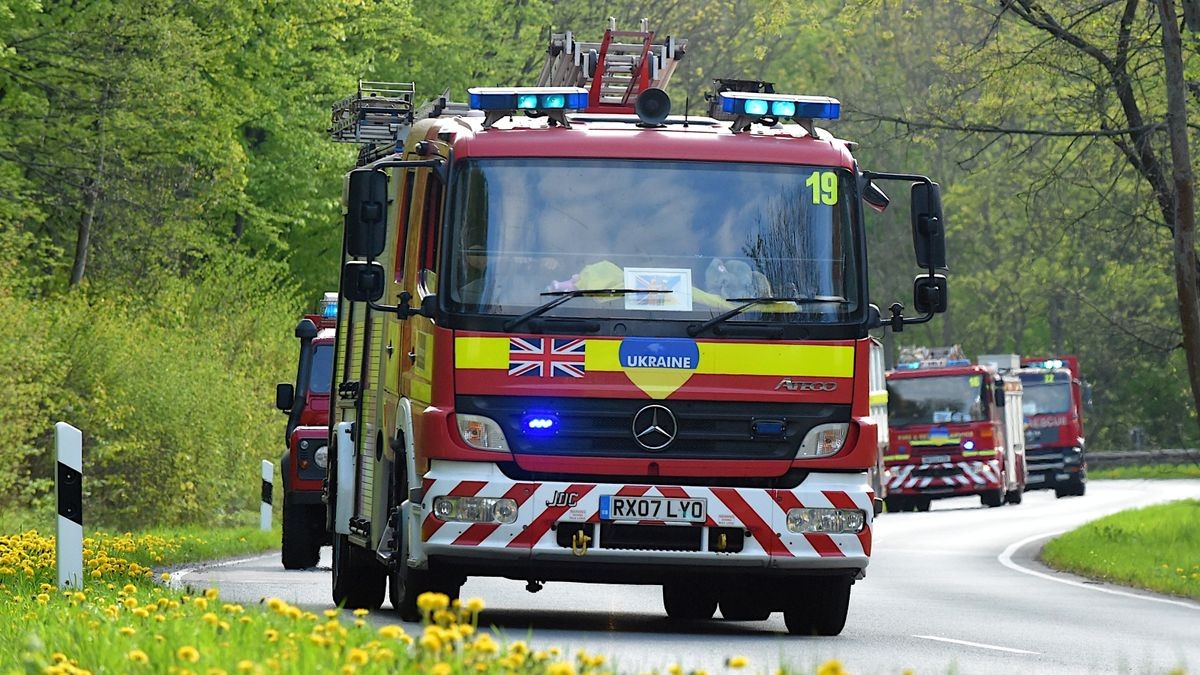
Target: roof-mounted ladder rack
[614,70]
[379,116]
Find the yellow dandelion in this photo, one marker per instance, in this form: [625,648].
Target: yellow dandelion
[129,588]
[831,667]
[441,668]
[59,657]
[294,613]
[138,656]
[560,668]
[210,618]
[391,632]
[359,623]
[245,666]
[127,630]
[358,657]
[212,594]
[474,605]
[188,653]
[431,642]
[361,612]
[674,669]
[271,635]
[431,602]
[484,644]
[331,613]
[200,603]
[43,598]
[736,662]
[385,655]
[165,576]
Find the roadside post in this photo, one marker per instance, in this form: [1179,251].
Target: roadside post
[268,475]
[68,487]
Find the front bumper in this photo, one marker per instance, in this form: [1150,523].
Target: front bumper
[744,529]
[947,479]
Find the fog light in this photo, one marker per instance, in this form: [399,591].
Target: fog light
[828,521]
[321,457]
[475,509]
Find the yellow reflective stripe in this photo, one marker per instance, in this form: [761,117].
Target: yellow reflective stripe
[894,458]
[934,442]
[715,358]
[978,453]
[878,398]
[481,352]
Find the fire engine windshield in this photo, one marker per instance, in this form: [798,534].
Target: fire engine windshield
[1046,398]
[700,238]
[936,400]
[322,369]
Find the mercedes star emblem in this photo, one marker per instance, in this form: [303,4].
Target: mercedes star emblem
[654,427]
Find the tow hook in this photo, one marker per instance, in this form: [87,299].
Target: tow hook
[579,543]
[533,586]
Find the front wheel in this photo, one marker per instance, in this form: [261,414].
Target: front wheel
[301,542]
[818,606]
[359,581]
[689,603]
[1013,496]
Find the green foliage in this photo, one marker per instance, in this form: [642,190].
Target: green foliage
[1156,547]
[1161,471]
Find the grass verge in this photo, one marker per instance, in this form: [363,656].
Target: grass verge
[1156,547]
[1147,471]
[123,621]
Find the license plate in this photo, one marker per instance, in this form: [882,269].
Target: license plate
[667,509]
[1035,478]
[936,459]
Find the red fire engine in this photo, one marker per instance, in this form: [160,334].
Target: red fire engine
[1054,399]
[619,345]
[956,429]
[306,459]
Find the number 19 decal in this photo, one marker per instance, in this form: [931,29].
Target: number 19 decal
[824,185]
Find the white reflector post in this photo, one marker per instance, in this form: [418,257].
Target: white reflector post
[268,487]
[68,487]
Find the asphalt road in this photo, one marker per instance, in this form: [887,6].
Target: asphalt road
[957,589]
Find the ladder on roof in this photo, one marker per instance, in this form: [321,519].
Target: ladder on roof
[379,115]
[614,70]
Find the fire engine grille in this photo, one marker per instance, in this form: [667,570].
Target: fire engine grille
[1041,460]
[587,427]
[937,471]
[1045,436]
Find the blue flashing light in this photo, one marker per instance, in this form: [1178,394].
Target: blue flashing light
[752,104]
[527,98]
[958,362]
[908,366]
[968,445]
[540,424]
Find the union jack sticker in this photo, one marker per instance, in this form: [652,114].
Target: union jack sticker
[545,357]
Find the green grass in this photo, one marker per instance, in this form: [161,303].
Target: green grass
[1156,547]
[1147,471]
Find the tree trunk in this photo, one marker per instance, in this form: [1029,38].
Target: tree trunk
[1185,199]
[84,235]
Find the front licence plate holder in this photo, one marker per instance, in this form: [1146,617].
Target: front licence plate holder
[936,459]
[665,509]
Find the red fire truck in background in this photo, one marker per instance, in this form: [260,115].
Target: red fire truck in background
[1055,396]
[956,429]
[306,459]
[639,351]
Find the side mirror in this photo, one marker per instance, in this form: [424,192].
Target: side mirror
[428,307]
[363,281]
[366,213]
[928,229]
[931,294]
[998,394]
[285,396]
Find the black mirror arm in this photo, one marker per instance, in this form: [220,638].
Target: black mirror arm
[402,310]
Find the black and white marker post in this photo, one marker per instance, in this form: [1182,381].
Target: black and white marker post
[264,510]
[68,485]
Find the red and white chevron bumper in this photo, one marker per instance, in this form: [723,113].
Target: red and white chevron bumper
[756,518]
[947,478]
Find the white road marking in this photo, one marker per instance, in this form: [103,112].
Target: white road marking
[1006,560]
[175,577]
[977,644]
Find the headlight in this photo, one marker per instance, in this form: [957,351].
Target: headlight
[321,457]
[1073,455]
[829,521]
[475,509]
[823,440]
[481,432]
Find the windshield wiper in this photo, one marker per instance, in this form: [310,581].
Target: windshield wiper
[564,296]
[747,303]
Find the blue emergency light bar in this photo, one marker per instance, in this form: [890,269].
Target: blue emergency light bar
[794,106]
[527,98]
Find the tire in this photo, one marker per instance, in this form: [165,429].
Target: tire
[992,498]
[359,581]
[406,584]
[923,503]
[301,542]
[818,606]
[1013,497]
[897,504]
[685,602]
[1080,489]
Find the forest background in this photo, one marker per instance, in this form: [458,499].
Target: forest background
[170,201]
